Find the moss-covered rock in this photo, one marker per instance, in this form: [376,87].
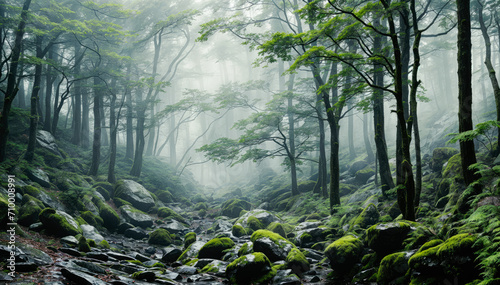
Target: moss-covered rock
[160,237]
[245,248]
[110,218]
[440,155]
[165,196]
[104,188]
[387,238]
[254,223]
[254,268]
[200,206]
[278,228]
[453,167]
[189,238]
[215,248]
[344,253]
[274,246]
[393,268]
[232,208]
[59,223]
[166,212]
[297,261]
[306,186]
[136,217]
[238,231]
[83,244]
[368,217]
[30,210]
[134,193]
[92,219]
[363,175]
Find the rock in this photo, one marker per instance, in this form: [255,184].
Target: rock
[98,255]
[186,270]
[170,254]
[70,251]
[393,268]
[168,213]
[238,231]
[174,227]
[92,267]
[308,237]
[368,217]
[363,175]
[135,233]
[134,193]
[252,268]
[123,227]
[144,275]
[220,225]
[263,216]
[286,277]
[69,240]
[136,217]
[215,247]
[232,208]
[59,223]
[191,251]
[80,277]
[274,246]
[216,267]
[160,237]
[109,216]
[119,256]
[357,166]
[344,253]
[29,211]
[297,262]
[90,232]
[39,176]
[36,227]
[189,238]
[46,140]
[387,238]
[440,155]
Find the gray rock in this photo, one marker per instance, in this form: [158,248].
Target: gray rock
[174,227]
[81,278]
[149,276]
[69,240]
[263,216]
[92,267]
[286,277]
[170,254]
[46,140]
[119,256]
[90,232]
[135,217]
[70,251]
[136,194]
[136,233]
[39,176]
[98,255]
[274,251]
[36,227]
[193,249]
[186,270]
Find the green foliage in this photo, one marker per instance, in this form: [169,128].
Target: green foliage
[166,212]
[482,130]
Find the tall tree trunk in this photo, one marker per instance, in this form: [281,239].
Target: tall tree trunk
[113,128]
[30,151]
[139,135]
[85,135]
[464,58]
[11,89]
[49,82]
[77,103]
[490,68]
[96,144]
[291,135]
[104,132]
[129,154]
[369,152]
[152,131]
[379,119]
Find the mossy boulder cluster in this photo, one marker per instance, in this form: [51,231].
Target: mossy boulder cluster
[59,223]
[253,268]
[232,208]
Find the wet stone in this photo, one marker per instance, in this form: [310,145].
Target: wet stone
[186,270]
[70,251]
[80,277]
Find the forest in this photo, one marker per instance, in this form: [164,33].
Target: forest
[249,142]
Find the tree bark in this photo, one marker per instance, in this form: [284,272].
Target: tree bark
[11,89]
[369,152]
[85,135]
[96,144]
[113,127]
[139,135]
[77,103]
[50,78]
[464,58]
[129,154]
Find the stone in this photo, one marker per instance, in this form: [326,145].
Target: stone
[69,240]
[134,193]
[254,268]
[393,268]
[123,227]
[170,254]
[135,233]
[232,208]
[344,253]
[174,227]
[136,217]
[98,255]
[387,238]
[215,248]
[119,256]
[46,140]
[90,232]
[39,176]
[81,278]
[191,251]
[263,216]
[144,275]
[59,223]
[29,211]
[274,246]
[70,251]
[186,270]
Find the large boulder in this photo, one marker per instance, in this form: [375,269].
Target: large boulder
[215,248]
[39,176]
[30,209]
[47,141]
[344,253]
[232,208]
[134,193]
[264,217]
[274,246]
[109,216]
[440,156]
[136,217]
[191,251]
[368,217]
[59,223]
[393,268]
[90,232]
[254,268]
[160,237]
[387,238]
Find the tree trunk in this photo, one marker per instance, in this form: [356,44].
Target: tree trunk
[50,78]
[30,151]
[464,58]
[139,135]
[112,132]
[104,132]
[85,135]
[291,134]
[11,89]
[96,145]
[129,154]
[491,69]
[77,103]
[369,152]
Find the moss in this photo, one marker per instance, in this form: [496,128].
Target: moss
[278,228]
[254,268]
[83,245]
[210,268]
[158,265]
[344,253]
[202,213]
[232,208]
[30,209]
[160,237]
[200,206]
[297,261]
[165,196]
[306,186]
[91,243]
[166,212]
[189,238]
[267,234]
[246,248]
[120,202]
[214,248]
[254,223]
[104,244]
[368,217]
[386,238]
[109,216]
[31,190]
[453,167]
[460,244]
[238,231]
[92,219]
[393,268]
[440,155]
[57,224]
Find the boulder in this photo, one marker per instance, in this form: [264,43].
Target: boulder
[136,217]
[135,233]
[191,251]
[189,238]
[81,278]
[29,211]
[160,237]
[368,217]
[166,212]
[215,248]
[238,231]
[109,216]
[59,223]
[174,227]
[232,208]
[264,217]
[344,253]
[90,232]
[387,238]
[170,254]
[39,176]
[363,175]
[134,193]
[47,141]
[357,166]
[297,261]
[274,246]
[254,268]
[440,156]
[393,268]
